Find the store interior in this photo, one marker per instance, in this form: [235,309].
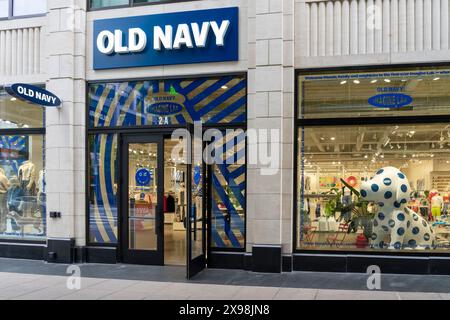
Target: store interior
[336,159]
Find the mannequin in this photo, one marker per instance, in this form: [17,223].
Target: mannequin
[4,186]
[27,177]
[437,206]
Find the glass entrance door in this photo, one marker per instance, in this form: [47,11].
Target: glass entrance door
[196,226]
[142,200]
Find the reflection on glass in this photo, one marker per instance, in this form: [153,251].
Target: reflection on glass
[143,195]
[22,188]
[103,173]
[399,93]
[342,203]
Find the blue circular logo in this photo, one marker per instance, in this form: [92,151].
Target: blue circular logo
[143,177]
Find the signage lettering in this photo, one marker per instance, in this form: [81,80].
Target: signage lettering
[178,38]
[33,94]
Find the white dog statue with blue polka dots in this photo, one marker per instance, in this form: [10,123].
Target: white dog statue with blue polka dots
[390,189]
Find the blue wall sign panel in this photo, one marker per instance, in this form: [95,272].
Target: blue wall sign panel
[167,39]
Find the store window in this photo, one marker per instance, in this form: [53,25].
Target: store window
[27,8]
[20,8]
[16,114]
[95,4]
[22,175]
[168,102]
[374,187]
[103,172]
[4,8]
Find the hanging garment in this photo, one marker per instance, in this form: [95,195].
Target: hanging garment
[170,203]
[14,197]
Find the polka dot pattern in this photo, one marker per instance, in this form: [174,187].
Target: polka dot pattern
[391,223]
[400,231]
[388,195]
[375,187]
[401,217]
[404,188]
[387,181]
[415,230]
[426,237]
[401,175]
[381,216]
[363,193]
[380,171]
[397,245]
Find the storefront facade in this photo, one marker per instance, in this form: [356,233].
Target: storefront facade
[348,93]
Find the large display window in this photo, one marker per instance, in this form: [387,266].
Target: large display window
[379,187]
[22,175]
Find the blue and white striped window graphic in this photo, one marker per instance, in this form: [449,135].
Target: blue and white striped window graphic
[168,102]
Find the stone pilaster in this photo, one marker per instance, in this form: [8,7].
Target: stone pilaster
[65,138]
[271,106]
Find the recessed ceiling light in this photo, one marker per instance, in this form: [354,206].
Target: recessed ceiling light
[344,82]
[437,78]
[374,81]
[387,80]
[224,87]
[13,99]
[356,81]
[333,138]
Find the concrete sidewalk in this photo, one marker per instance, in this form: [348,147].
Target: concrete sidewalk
[28,279]
[44,287]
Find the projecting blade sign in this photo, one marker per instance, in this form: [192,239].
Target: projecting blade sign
[34,95]
[167,39]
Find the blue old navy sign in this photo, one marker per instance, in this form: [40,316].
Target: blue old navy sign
[33,94]
[167,39]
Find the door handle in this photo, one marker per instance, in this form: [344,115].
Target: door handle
[159,220]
